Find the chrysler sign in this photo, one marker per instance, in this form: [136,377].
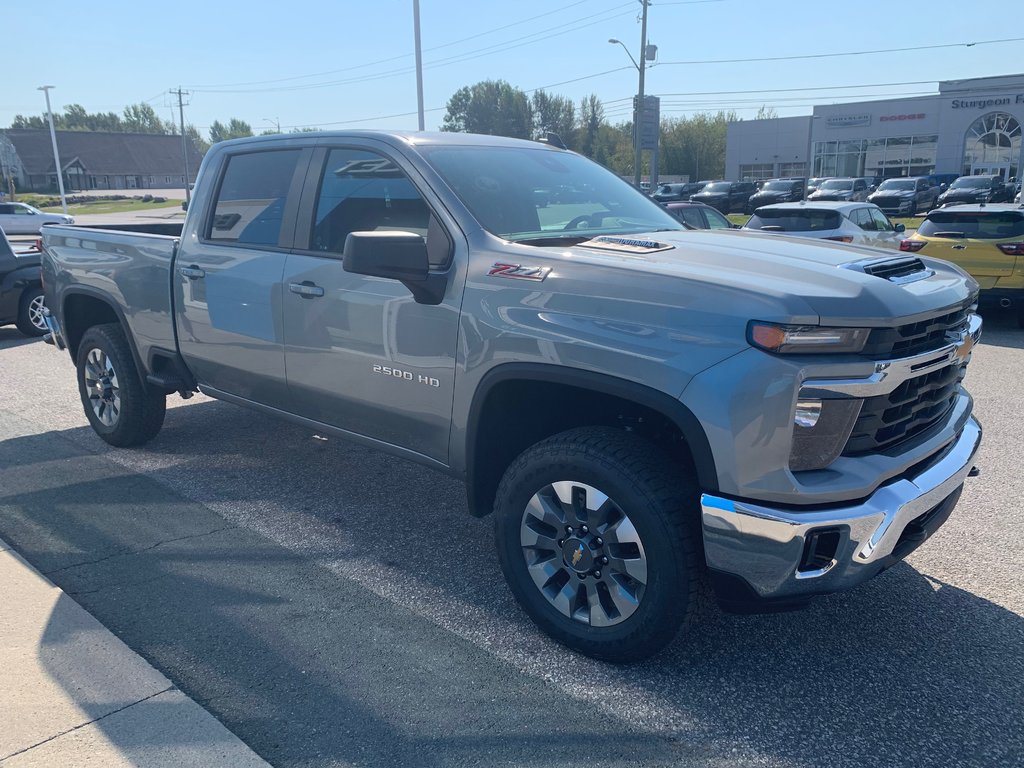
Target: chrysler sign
[847,121]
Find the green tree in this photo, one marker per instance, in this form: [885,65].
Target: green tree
[193,135]
[492,107]
[591,119]
[142,118]
[556,114]
[235,129]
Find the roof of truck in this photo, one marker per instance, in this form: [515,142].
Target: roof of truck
[415,138]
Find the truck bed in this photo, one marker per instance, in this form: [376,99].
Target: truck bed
[129,264]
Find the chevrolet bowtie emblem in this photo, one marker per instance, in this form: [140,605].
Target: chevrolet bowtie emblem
[577,554]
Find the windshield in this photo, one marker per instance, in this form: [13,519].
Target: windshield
[778,186]
[582,199]
[897,184]
[793,220]
[972,182]
[979,225]
[837,184]
[718,186]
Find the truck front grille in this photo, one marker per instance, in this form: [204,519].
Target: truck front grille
[911,408]
[915,338]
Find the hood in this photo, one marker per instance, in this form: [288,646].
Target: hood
[802,279]
[770,196]
[830,194]
[964,194]
[892,193]
[708,195]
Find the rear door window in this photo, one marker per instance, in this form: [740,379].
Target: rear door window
[882,223]
[689,216]
[794,220]
[715,219]
[978,225]
[251,199]
[862,218]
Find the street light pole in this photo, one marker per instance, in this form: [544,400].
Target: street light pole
[56,156]
[639,149]
[419,63]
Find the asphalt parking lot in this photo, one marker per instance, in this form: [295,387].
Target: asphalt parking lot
[335,606]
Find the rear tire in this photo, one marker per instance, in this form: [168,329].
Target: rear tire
[30,312]
[120,408]
[597,534]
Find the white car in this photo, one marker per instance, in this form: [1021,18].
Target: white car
[861,223]
[23,219]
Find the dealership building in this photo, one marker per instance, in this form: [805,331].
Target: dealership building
[968,127]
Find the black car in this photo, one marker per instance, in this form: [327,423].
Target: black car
[850,190]
[21,289]
[670,193]
[726,196]
[699,216]
[905,196]
[976,189]
[776,191]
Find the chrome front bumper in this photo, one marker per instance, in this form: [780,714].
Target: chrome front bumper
[764,547]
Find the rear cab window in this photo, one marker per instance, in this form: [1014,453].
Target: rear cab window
[790,220]
[976,225]
[250,203]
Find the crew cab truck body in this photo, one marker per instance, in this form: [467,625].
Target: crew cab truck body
[636,403]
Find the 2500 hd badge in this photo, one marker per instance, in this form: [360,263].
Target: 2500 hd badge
[398,373]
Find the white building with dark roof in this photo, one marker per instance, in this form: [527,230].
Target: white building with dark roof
[96,160]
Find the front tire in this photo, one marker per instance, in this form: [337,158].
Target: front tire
[30,312]
[119,407]
[597,537]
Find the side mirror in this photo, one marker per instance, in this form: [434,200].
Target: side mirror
[900,228]
[184,205]
[398,256]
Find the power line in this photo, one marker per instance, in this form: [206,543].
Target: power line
[478,53]
[845,53]
[426,50]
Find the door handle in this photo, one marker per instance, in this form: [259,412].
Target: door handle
[959,247]
[192,273]
[306,289]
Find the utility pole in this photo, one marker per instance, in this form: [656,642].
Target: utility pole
[419,62]
[56,156]
[184,140]
[638,151]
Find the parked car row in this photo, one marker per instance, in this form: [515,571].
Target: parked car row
[21,289]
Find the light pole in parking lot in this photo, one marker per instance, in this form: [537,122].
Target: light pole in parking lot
[638,139]
[810,157]
[56,155]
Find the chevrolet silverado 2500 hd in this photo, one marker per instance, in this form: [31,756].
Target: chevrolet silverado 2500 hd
[643,408]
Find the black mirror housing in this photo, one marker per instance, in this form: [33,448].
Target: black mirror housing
[900,227]
[398,256]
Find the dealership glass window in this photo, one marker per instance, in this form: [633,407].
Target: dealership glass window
[792,170]
[757,171]
[994,141]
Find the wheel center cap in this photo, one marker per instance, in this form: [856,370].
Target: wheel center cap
[577,555]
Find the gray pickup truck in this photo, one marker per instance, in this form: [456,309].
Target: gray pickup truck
[648,412]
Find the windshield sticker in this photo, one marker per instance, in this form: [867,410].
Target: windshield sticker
[626,245]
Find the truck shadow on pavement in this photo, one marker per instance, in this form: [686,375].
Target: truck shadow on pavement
[12,337]
[369,633]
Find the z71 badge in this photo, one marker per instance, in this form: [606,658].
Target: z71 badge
[518,271]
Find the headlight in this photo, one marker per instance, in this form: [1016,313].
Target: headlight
[805,339]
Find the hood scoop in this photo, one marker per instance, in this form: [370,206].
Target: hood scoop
[635,246]
[901,271]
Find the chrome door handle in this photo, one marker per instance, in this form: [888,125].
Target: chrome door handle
[192,273]
[306,290]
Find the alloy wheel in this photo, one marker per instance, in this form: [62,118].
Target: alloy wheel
[583,553]
[35,313]
[102,387]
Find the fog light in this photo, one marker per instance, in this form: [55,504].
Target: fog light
[821,430]
[807,413]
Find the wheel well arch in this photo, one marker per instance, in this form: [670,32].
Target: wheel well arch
[519,404]
[81,310]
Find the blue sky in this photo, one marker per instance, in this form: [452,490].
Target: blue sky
[349,64]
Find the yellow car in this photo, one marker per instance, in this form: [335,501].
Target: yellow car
[987,241]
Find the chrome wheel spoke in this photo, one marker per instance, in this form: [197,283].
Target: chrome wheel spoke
[101,387]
